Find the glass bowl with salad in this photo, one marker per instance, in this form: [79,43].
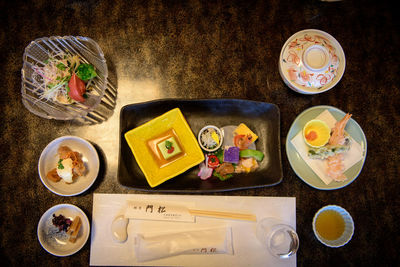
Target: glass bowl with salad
[63,78]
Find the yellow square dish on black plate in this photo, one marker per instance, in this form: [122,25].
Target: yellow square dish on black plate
[155,168]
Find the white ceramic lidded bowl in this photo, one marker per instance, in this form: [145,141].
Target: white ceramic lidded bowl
[311,62]
[348,229]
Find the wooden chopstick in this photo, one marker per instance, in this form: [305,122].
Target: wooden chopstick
[225,215]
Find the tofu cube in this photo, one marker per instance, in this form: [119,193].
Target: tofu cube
[169,153]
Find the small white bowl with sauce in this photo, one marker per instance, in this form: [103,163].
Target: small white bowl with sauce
[333,226]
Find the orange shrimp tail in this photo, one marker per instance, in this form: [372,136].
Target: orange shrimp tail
[337,136]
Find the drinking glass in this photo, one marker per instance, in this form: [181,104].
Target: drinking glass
[279,238]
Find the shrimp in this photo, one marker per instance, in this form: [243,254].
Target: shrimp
[335,166]
[337,136]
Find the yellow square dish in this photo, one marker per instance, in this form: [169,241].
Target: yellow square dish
[138,138]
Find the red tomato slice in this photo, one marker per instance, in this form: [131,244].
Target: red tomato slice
[76,88]
[213,161]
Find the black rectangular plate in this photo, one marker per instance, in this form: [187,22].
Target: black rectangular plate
[262,118]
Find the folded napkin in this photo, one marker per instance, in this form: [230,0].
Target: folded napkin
[351,157]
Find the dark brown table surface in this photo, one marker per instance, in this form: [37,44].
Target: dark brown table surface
[200,49]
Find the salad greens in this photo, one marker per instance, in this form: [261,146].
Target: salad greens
[52,78]
[86,72]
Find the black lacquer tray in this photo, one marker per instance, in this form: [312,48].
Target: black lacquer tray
[263,118]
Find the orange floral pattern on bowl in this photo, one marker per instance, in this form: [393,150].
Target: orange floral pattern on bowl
[299,72]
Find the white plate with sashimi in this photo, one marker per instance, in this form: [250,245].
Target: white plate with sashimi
[334,162]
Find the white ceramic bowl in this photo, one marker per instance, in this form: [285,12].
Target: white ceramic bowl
[220,133]
[311,62]
[49,158]
[58,244]
[348,230]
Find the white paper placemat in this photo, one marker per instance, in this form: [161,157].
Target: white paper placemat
[248,251]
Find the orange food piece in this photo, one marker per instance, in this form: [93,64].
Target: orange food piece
[312,135]
[74,229]
[63,151]
[53,176]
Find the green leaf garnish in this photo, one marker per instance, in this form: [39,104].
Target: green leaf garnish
[168,144]
[60,166]
[61,66]
[86,72]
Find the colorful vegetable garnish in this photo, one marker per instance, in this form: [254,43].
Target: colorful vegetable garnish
[86,72]
[213,161]
[223,163]
[222,178]
[247,153]
[53,78]
[60,165]
[169,147]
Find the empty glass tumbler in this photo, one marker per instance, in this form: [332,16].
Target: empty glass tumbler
[279,238]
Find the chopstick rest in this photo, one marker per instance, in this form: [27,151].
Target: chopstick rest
[119,228]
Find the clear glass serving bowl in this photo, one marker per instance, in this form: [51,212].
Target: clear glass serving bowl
[38,51]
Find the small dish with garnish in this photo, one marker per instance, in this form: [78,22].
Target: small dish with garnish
[63,230]
[210,138]
[68,166]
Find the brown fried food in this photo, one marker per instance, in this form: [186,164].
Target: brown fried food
[74,229]
[79,167]
[53,176]
[225,168]
[63,151]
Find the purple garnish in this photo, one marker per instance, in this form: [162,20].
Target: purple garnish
[61,222]
[231,154]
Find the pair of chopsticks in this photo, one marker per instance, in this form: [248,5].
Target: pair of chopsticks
[224,215]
